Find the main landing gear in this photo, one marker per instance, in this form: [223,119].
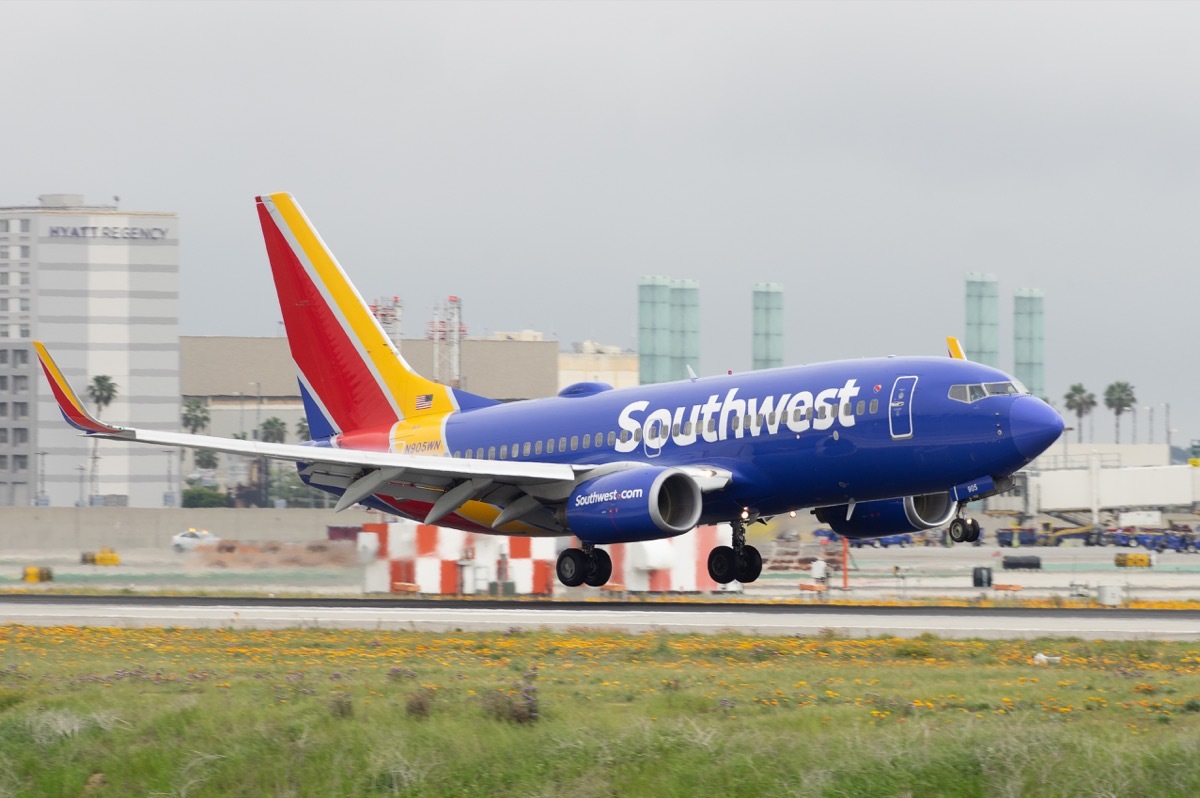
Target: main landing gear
[963,530]
[584,566]
[739,561]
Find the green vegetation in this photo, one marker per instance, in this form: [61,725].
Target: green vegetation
[200,496]
[112,712]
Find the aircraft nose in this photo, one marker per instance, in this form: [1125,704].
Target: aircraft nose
[1035,425]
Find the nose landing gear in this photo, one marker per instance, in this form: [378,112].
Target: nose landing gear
[964,530]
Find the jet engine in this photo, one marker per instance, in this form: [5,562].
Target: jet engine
[890,516]
[637,504]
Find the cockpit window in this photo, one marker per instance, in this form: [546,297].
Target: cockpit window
[973,393]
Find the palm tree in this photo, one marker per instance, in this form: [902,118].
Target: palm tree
[302,430]
[195,415]
[206,458]
[1118,398]
[1080,402]
[102,391]
[273,430]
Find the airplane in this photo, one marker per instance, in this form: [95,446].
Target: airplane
[872,446]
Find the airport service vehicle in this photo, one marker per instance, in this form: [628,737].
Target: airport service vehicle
[191,538]
[875,446]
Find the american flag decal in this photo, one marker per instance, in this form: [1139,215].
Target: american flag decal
[425,401]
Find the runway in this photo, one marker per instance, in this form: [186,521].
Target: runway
[633,617]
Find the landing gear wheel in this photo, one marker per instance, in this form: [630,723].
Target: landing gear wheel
[749,565]
[958,530]
[600,570]
[973,531]
[722,565]
[572,567]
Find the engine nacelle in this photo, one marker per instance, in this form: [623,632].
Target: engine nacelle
[638,504]
[890,516]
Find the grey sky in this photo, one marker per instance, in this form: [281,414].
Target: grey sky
[537,158]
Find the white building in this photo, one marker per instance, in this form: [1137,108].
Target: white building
[100,287]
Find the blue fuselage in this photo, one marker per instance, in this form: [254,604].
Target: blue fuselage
[797,437]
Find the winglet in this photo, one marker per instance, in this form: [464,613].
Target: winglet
[72,409]
[955,348]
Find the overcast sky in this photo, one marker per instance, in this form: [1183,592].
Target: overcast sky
[537,158]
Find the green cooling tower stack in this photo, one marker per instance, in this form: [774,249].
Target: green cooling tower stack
[983,320]
[1027,339]
[668,328]
[768,325]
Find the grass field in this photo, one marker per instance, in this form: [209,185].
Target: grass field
[179,712]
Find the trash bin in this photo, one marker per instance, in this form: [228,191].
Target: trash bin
[981,577]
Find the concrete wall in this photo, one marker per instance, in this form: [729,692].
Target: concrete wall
[89,528]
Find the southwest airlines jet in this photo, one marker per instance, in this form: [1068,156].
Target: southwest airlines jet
[873,447]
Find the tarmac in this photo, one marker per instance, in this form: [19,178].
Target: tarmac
[918,573]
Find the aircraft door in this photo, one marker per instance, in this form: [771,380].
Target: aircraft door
[900,407]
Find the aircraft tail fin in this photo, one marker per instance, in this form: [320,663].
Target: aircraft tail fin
[351,376]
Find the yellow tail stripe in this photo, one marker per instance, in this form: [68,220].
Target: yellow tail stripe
[955,348]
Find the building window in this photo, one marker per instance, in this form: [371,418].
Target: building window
[3,356]
[24,225]
[3,409]
[3,252]
[4,331]
[20,462]
[23,331]
[24,303]
[20,409]
[3,305]
[24,252]
[24,278]
[3,383]
[20,357]
[3,462]
[3,435]
[20,435]
[3,278]
[3,225]
[20,383]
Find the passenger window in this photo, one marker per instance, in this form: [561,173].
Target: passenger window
[862,407]
[491,453]
[736,423]
[599,439]
[612,438]
[771,419]
[587,441]
[574,442]
[821,412]
[456,455]
[796,414]
[479,453]
[712,425]
[504,452]
[550,446]
[562,444]
[637,435]
[809,414]
[625,436]
[527,447]
[537,447]
[846,409]
[748,421]
[874,406]
[675,430]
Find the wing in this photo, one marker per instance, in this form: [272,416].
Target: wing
[516,495]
